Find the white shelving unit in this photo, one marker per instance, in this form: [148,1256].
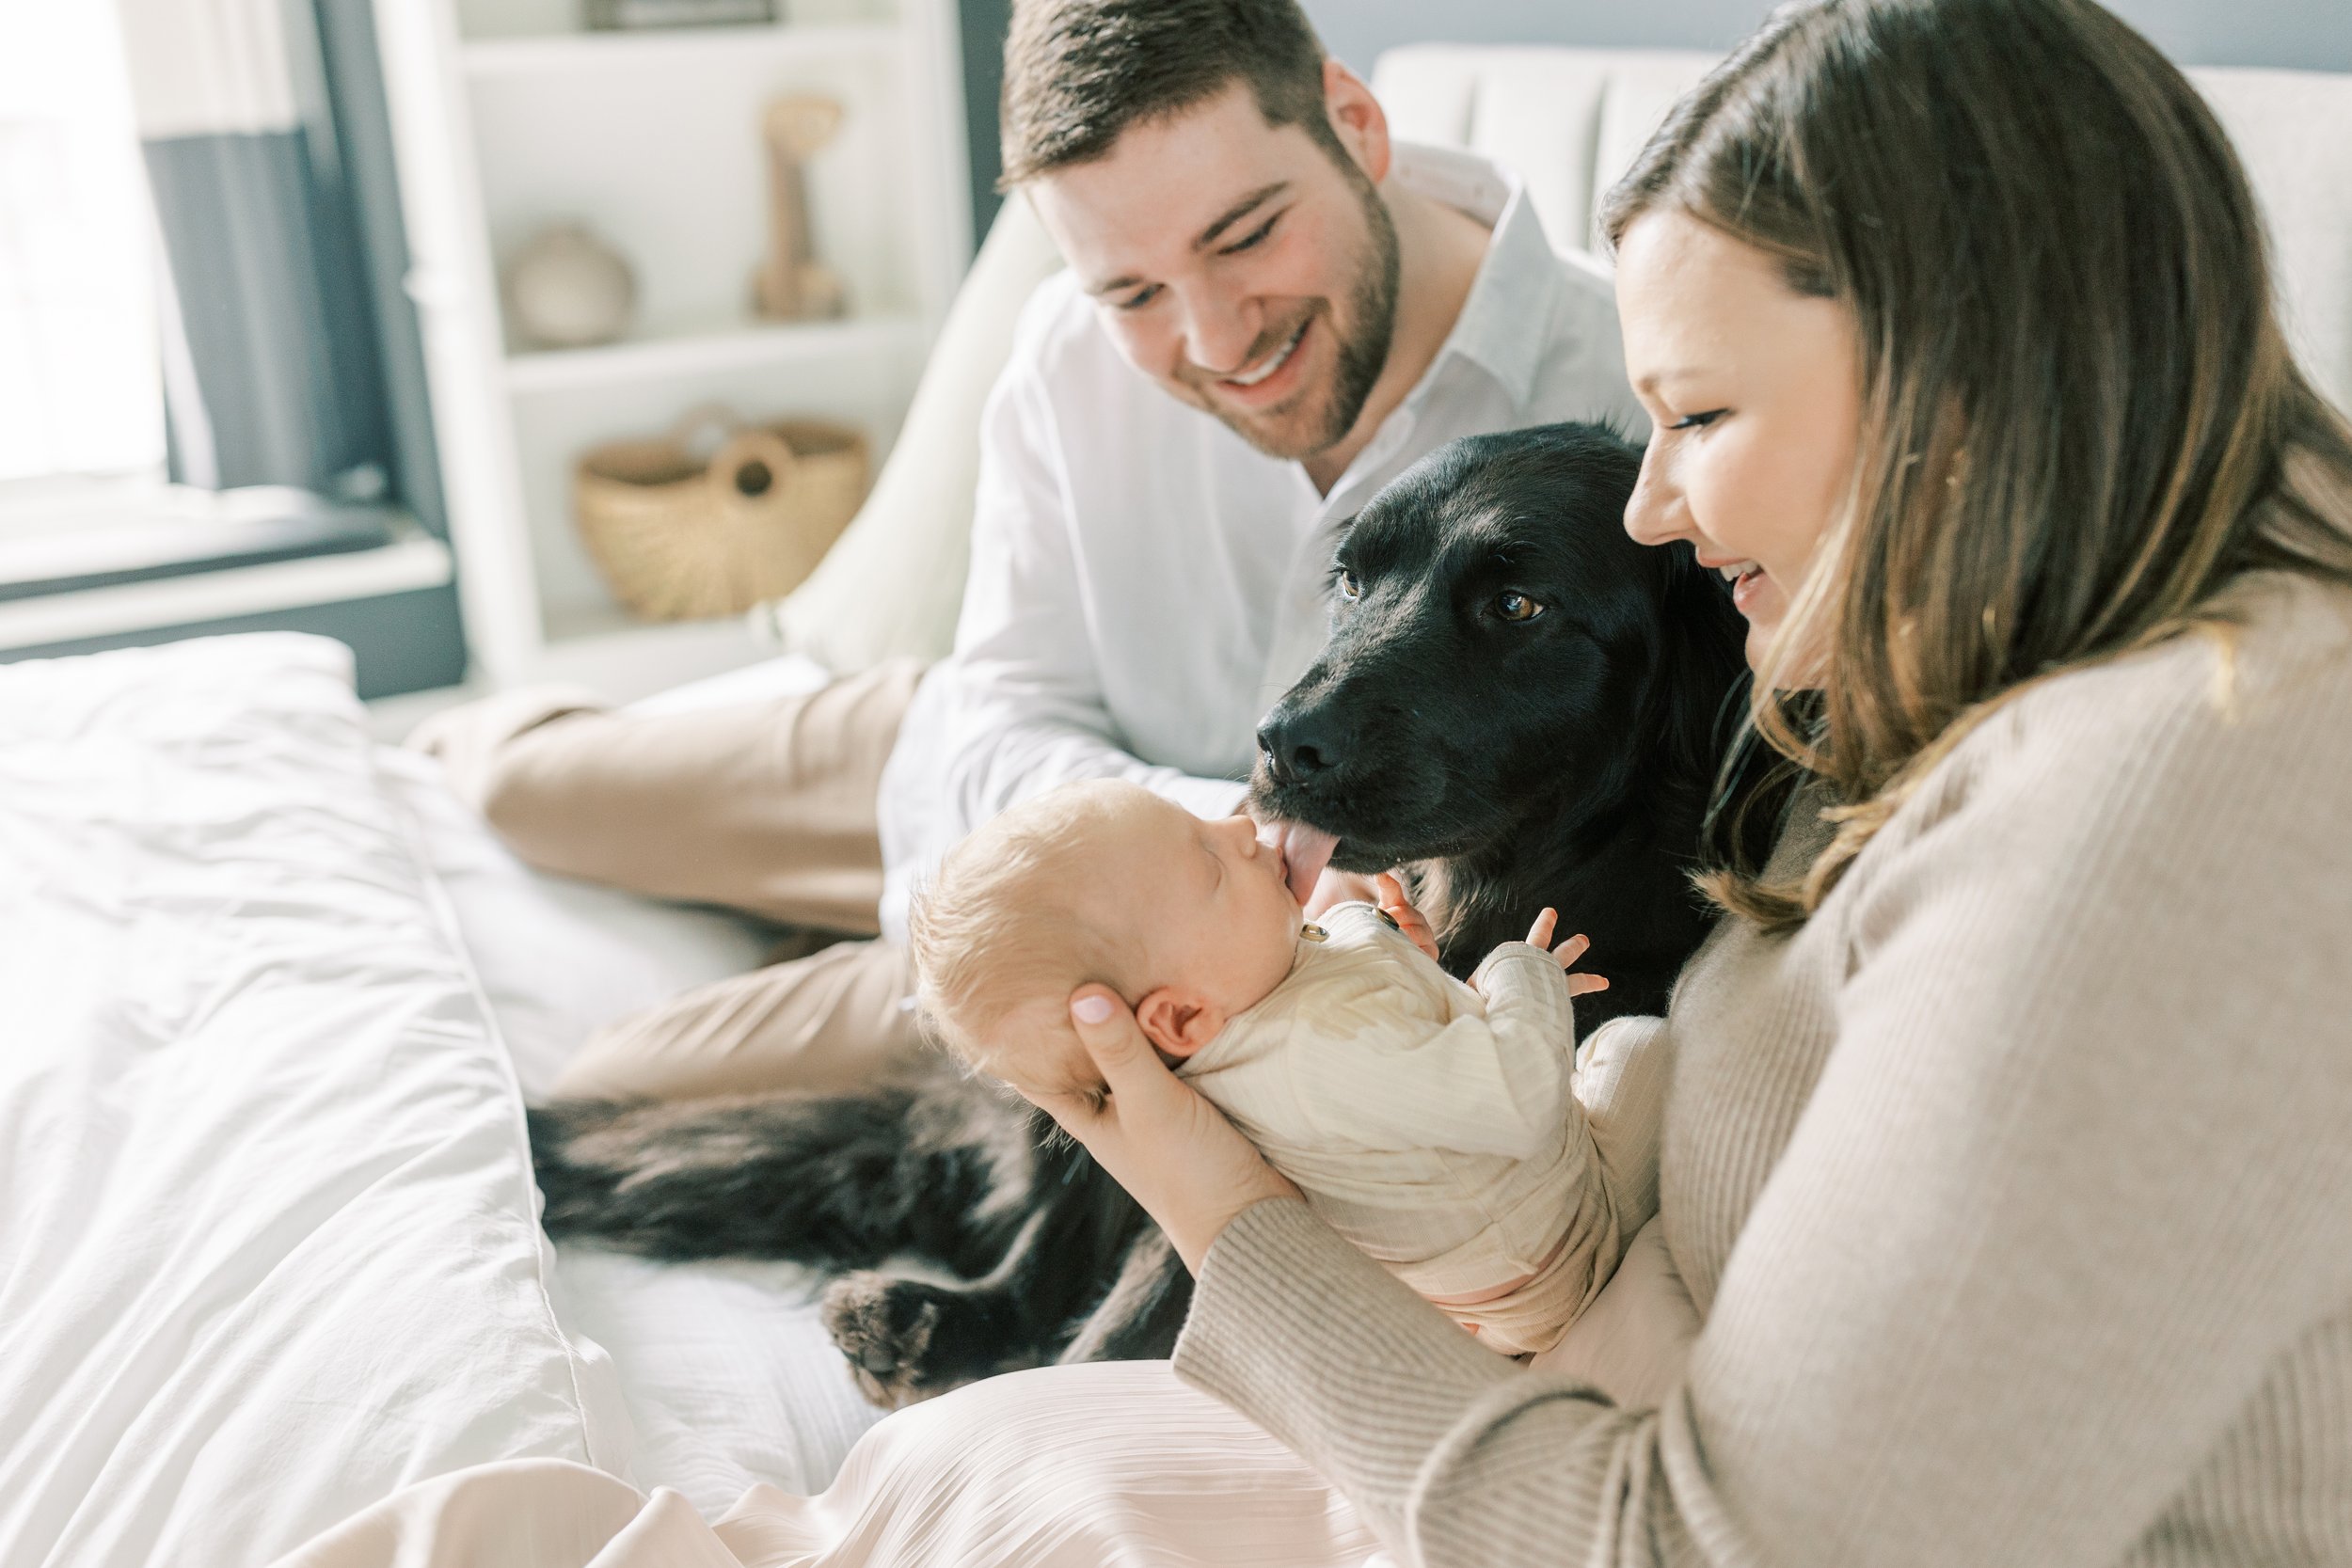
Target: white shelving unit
[508,117]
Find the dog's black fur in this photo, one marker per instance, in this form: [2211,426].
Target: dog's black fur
[1557,758]
[1562,758]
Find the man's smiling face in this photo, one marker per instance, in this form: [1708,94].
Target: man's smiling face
[1239,264]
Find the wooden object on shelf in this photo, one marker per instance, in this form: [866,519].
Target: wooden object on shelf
[791,284]
[568,289]
[506,113]
[679,535]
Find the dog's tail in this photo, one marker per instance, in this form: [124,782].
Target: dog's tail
[798,1176]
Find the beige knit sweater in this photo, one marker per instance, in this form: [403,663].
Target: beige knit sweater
[2015,1190]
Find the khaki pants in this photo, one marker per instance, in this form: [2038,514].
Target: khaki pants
[766,807]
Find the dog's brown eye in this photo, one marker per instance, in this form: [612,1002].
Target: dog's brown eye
[1349,588]
[1513,605]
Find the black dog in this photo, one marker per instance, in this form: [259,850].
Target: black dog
[1521,702]
[1517,701]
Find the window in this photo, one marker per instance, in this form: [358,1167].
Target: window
[81,379]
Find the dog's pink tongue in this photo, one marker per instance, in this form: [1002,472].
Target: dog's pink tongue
[1305,852]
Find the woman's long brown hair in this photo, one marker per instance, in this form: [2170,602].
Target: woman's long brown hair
[2081,415]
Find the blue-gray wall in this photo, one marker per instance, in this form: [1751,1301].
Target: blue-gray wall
[2313,35]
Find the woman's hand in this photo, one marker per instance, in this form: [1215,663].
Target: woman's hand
[1173,1151]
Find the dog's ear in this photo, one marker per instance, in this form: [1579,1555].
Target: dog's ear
[1177,1021]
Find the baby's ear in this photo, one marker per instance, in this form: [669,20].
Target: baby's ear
[1178,1021]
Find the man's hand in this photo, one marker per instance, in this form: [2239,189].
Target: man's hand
[1173,1151]
[1567,953]
[1408,920]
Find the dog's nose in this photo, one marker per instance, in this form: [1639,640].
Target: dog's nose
[1297,746]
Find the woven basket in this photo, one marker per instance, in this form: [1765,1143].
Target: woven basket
[680,536]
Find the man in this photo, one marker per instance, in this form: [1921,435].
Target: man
[1270,310]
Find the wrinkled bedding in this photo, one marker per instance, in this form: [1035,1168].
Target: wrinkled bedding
[728,1377]
[268,1240]
[268,1246]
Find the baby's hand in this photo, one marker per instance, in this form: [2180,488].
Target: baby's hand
[1566,953]
[1408,920]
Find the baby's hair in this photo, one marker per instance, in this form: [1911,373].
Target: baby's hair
[998,928]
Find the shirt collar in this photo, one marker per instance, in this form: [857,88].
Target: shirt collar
[1502,325]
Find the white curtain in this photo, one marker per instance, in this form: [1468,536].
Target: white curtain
[80,373]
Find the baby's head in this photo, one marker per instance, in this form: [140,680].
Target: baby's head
[1190,920]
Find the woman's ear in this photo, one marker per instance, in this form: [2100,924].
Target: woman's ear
[1178,1021]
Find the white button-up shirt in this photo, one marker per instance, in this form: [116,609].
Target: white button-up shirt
[1145,584]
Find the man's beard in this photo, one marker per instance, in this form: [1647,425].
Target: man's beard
[1363,345]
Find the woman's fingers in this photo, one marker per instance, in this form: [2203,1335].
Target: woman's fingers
[1539,935]
[1584,985]
[1571,950]
[1173,1151]
[1106,1028]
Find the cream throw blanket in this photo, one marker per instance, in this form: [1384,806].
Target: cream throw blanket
[1038,1469]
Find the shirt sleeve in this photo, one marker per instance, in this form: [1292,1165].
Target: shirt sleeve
[1497,1084]
[1024,710]
[2062,1216]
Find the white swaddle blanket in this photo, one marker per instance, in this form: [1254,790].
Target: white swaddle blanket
[1427,1123]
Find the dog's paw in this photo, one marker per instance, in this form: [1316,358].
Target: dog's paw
[887,1327]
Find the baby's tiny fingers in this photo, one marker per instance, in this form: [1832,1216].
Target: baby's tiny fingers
[1539,935]
[1571,950]
[1580,985]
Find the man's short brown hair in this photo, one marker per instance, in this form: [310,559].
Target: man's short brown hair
[1079,73]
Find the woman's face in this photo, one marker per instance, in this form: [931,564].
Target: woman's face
[1754,391]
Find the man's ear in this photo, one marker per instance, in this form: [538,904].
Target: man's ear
[1357,118]
[1178,1021]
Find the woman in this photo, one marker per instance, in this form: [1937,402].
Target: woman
[2007,1156]
[2009,1144]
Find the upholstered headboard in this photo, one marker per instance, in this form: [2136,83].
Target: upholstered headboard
[1569,120]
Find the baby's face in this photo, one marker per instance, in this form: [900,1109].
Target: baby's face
[1204,898]
[1203,905]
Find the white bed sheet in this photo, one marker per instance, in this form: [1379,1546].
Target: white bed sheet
[268,1237]
[728,1376]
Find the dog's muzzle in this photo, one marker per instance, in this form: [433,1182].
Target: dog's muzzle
[1297,746]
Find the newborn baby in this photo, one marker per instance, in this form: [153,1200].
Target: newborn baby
[1427,1120]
